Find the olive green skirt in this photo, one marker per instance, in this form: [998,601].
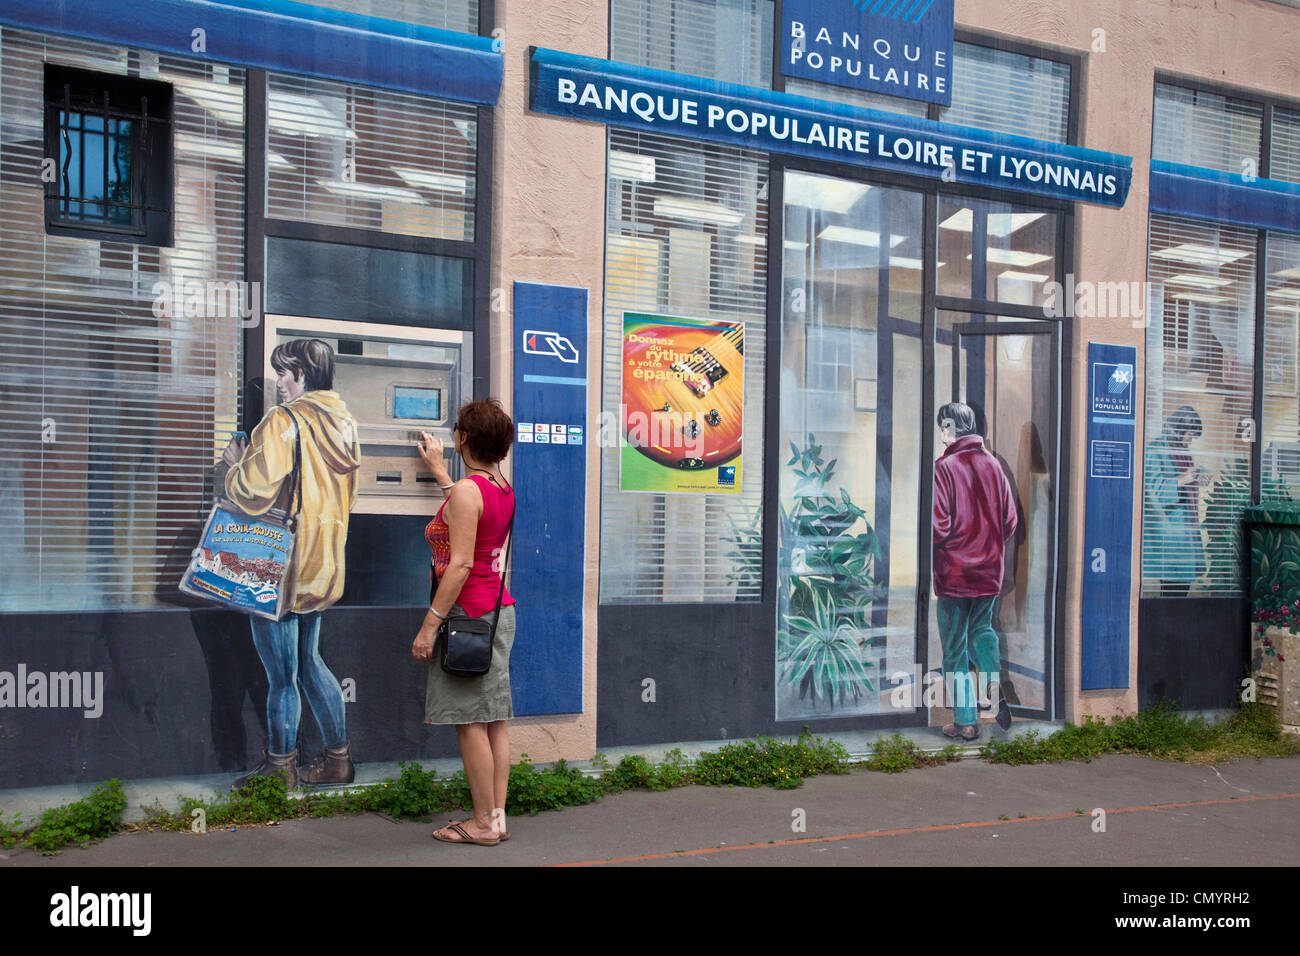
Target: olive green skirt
[473,700]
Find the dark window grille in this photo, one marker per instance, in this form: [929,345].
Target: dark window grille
[110,140]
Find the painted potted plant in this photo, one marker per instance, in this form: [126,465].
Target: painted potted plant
[1275,606]
[829,558]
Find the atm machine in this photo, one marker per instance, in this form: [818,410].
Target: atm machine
[396,381]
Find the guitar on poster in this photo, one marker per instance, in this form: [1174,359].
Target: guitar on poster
[683,403]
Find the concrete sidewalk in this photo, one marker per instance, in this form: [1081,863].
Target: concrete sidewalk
[1157,813]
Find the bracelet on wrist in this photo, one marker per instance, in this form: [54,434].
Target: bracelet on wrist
[445,487]
[441,617]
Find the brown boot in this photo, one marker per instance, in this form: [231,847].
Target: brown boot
[284,766]
[332,768]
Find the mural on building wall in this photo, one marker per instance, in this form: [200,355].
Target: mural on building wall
[682,405]
[313,427]
[1173,549]
[976,514]
[830,557]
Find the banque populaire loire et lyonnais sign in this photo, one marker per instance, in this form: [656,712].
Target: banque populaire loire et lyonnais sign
[642,98]
[899,47]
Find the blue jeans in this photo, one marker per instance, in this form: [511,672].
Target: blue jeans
[968,637]
[290,652]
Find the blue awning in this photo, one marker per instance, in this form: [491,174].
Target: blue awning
[1224,197]
[284,36]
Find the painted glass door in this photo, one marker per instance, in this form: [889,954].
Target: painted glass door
[848,474]
[1007,372]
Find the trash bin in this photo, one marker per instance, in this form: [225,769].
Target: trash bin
[1273,531]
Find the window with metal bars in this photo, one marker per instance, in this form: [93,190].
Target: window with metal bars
[108,163]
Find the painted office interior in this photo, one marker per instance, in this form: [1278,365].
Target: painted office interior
[411,182]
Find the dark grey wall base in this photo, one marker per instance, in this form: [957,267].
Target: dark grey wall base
[1193,651]
[185,694]
[713,669]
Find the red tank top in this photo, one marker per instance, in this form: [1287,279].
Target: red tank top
[479,595]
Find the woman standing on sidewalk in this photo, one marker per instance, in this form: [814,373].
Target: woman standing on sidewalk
[467,537]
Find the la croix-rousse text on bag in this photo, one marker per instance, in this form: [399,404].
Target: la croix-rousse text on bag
[242,562]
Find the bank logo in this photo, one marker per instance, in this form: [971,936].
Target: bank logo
[911,11]
[1112,388]
[727,475]
[900,47]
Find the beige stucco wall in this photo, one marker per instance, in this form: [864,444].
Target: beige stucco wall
[548,220]
[1250,44]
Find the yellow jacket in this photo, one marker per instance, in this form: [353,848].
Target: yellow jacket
[331,453]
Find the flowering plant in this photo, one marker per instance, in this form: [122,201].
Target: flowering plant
[1271,609]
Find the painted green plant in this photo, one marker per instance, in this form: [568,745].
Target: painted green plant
[1275,576]
[829,556]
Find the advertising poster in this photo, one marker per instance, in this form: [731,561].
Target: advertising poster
[682,405]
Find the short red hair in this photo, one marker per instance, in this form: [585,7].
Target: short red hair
[486,429]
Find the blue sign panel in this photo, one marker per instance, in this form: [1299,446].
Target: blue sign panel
[1108,516]
[580,87]
[284,35]
[899,47]
[550,472]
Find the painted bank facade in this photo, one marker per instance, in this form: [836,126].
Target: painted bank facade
[726,261]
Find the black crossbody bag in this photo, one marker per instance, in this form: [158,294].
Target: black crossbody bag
[466,642]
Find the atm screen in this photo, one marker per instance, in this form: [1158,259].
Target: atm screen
[411,401]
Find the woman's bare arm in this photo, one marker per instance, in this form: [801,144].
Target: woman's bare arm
[462,513]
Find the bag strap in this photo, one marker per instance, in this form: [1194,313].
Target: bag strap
[296,475]
[510,540]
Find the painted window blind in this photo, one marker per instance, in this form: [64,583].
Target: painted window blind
[1285,154]
[1009,93]
[1280,418]
[458,15]
[343,155]
[686,236]
[119,374]
[863,98]
[1203,129]
[1199,356]
[728,40]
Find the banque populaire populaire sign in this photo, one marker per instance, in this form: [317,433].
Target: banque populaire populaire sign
[899,47]
[635,97]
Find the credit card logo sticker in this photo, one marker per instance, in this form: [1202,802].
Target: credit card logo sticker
[553,344]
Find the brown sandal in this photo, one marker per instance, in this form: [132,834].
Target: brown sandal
[464,836]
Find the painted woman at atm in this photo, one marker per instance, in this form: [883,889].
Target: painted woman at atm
[1172,548]
[257,481]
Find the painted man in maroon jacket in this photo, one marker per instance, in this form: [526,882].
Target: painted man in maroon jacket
[974,515]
